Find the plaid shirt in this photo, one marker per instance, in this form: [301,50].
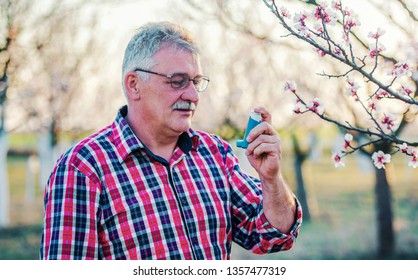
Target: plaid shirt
[109,197]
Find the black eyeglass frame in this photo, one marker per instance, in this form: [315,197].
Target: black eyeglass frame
[185,75]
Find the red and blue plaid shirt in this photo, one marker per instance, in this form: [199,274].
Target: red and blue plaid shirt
[109,197]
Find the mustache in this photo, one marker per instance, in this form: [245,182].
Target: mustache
[184,105]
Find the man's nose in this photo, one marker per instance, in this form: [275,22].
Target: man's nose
[191,93]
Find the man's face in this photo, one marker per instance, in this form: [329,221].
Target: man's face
[159,100]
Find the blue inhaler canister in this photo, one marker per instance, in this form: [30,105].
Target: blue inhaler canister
[253,121]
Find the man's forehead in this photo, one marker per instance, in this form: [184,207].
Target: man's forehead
[177,58]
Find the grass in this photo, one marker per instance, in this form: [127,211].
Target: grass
[20,242]
[343,222]
[24,210]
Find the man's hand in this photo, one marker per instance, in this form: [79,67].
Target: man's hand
[265,155]
[264,149]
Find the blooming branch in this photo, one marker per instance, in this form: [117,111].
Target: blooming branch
[388,121]
[317,28]
[317,35]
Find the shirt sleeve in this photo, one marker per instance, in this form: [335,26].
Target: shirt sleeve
[70,224]
[251,229]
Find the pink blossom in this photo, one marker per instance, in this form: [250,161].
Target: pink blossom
[406,90]
[414,162]
[320,52]
[290,86]
[401,69]
[285,13]
[375,50]
[337,158]
[300,17]
[404,148]
[352,88]
[319,13]
[299,107]
[380,159]
[351,22]
[347,12]
[348,138]
[303,30]
[324,14]
[316,106]
[338,51]
[336,5]
[319,28]
[373,53]
[381,94]
[376,35]
[300,24]
[351,82]
[372,106]
[388,120]
[346,39]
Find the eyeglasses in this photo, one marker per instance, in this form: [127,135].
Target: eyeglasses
[181,80]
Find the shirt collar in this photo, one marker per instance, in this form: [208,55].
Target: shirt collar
[127,143]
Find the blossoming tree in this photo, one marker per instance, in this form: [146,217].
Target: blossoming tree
[388,101]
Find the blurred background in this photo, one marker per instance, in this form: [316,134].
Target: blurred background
[60,80]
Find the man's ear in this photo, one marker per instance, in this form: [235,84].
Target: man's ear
[132,83]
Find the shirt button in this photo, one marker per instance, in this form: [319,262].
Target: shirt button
[184,201]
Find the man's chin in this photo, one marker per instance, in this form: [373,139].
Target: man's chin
[182,127]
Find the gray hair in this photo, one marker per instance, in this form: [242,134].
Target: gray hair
[148,40]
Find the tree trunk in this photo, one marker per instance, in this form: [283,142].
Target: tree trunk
[385,233]
[47,144]
[301,193]
[46,160]
[300,158]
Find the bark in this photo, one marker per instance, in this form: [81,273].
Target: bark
[385,233]
[300,187]
[300,158]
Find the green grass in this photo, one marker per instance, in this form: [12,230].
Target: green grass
[343,222]
[20,242]
[23,140]
[23,210]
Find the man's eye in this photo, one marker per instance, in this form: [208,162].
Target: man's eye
[177,82]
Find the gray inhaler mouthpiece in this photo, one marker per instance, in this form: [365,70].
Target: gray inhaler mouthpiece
[253,120]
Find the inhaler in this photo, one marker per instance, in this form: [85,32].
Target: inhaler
[253,121]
